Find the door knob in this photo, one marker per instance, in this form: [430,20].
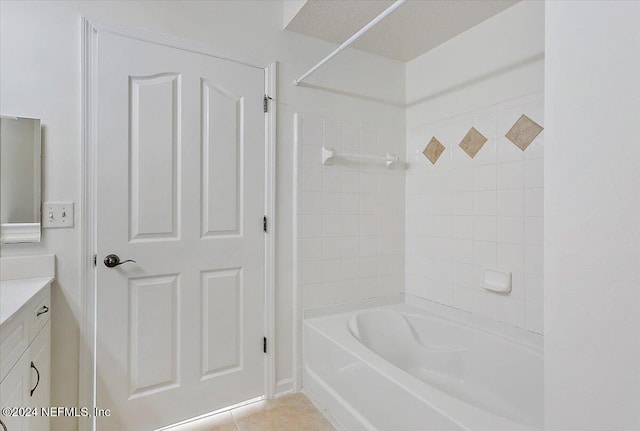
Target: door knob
[113,260]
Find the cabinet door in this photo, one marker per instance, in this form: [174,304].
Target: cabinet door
[40,377]
[14,392]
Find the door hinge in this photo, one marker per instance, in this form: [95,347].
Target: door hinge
[95,259]
[265,103]
[264,344]
[264,224]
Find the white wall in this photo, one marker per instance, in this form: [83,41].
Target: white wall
[592,208]
[494,61]
[350,241]
[464,214]
[40,69]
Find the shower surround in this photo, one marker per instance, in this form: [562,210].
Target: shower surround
[465,214]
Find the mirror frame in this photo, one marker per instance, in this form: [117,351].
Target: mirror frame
[13,233]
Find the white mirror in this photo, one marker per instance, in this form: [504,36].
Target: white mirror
[20,179]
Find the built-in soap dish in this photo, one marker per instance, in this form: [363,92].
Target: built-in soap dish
[496,280]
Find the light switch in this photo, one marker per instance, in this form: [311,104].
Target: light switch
[57,214]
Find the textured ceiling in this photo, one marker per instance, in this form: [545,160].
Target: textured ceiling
[413,29]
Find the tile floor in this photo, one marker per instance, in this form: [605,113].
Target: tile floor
[291,413]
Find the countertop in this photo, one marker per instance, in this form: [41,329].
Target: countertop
[14,294]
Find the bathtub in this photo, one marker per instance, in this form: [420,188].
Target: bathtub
[402,367]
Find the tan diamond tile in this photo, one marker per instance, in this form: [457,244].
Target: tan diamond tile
[433,150]
[523,132]
[472,142]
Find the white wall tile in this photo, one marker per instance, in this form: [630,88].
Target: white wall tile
[506,151]
[312,226]
[484,177]
[510,229]
[350,246]
[350,268]
[331,180]
[351,225]
[368,245]
[534,202]
[510,257]
[463,275]
[462,227]
[350,138]
[510,175]
[311,272]
[534,230]
[350,203]
[331,247]
[533,259]
[484,202]
[462,179]
[484,253]
[485,211]
[510,203]
[534,173]
[368,267]
[462,250]
[311,248]
[534,317]
[312,295]
[463,203]
[350,290]
[311,180]
[350,182]
[534,288]
[484,228]
[331,292]
[331,270]
[311,203]
[332,225]
[331,203]
[332,134]
[312,131]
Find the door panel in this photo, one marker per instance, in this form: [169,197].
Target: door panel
[222,321]
[153,333]
[154,144]
[180,188]
[222,151]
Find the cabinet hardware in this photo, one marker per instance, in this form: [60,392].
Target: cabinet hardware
[44,309]
[37,382]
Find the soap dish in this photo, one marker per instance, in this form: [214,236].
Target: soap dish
[496,280]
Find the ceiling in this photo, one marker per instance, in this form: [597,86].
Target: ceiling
[413,29]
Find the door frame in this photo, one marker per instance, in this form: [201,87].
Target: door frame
[91,29]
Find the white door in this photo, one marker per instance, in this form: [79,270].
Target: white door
[180,190]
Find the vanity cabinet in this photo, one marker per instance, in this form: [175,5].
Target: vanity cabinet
[25,364]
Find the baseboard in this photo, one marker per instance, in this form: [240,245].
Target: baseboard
[284,387]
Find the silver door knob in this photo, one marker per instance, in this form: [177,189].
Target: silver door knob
[112,260]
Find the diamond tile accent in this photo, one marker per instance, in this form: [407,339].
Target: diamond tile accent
[433,150]
[523,132]
[472,142]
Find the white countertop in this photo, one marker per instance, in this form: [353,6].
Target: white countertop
[16,293]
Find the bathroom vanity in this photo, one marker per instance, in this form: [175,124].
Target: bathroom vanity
[25,342]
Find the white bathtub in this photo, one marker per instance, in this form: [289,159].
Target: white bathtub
[403,368]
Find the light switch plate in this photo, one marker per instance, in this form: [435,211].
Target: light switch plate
[57,215]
